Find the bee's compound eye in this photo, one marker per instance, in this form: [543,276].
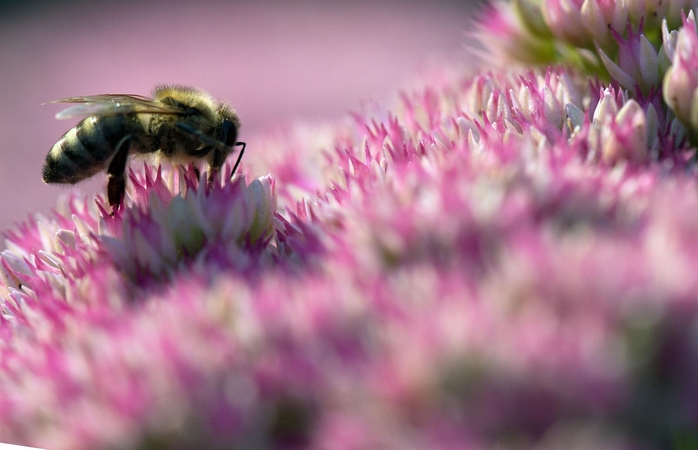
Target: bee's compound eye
[229,133]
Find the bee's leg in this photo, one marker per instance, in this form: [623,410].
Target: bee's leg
[237,163]
[220,150]
[216,163]
[200,154]
[116,186]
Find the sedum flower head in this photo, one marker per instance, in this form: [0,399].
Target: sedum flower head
[206,222]
[500,258]
[623,41]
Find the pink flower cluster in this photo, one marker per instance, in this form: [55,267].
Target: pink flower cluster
[502,259]
[632,43]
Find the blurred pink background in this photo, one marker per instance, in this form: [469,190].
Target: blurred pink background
[276,62]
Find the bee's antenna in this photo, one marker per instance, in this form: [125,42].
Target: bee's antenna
[237,163]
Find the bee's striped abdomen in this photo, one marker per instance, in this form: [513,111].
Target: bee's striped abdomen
[85,150]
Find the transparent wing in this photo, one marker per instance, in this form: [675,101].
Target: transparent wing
[124,98]
[113,104]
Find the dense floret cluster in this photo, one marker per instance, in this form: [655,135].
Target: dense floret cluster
[503,259]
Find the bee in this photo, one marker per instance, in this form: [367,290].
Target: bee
[179,123]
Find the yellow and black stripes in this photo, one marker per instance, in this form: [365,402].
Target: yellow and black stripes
[86,149]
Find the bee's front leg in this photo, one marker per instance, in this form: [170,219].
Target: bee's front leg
[220,149]
[116,185]
[213,176]
[217,160]
[237,162]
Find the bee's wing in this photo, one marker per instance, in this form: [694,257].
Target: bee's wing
[113,104]
[125,98]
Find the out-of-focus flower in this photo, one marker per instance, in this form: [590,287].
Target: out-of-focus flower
[604,38]
[625,137]
[676,10]
[528,12]
[507,37]
[681,80]
[564,19]
[651,12]
[601,17]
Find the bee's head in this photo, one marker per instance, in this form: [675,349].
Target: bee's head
[230,125]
